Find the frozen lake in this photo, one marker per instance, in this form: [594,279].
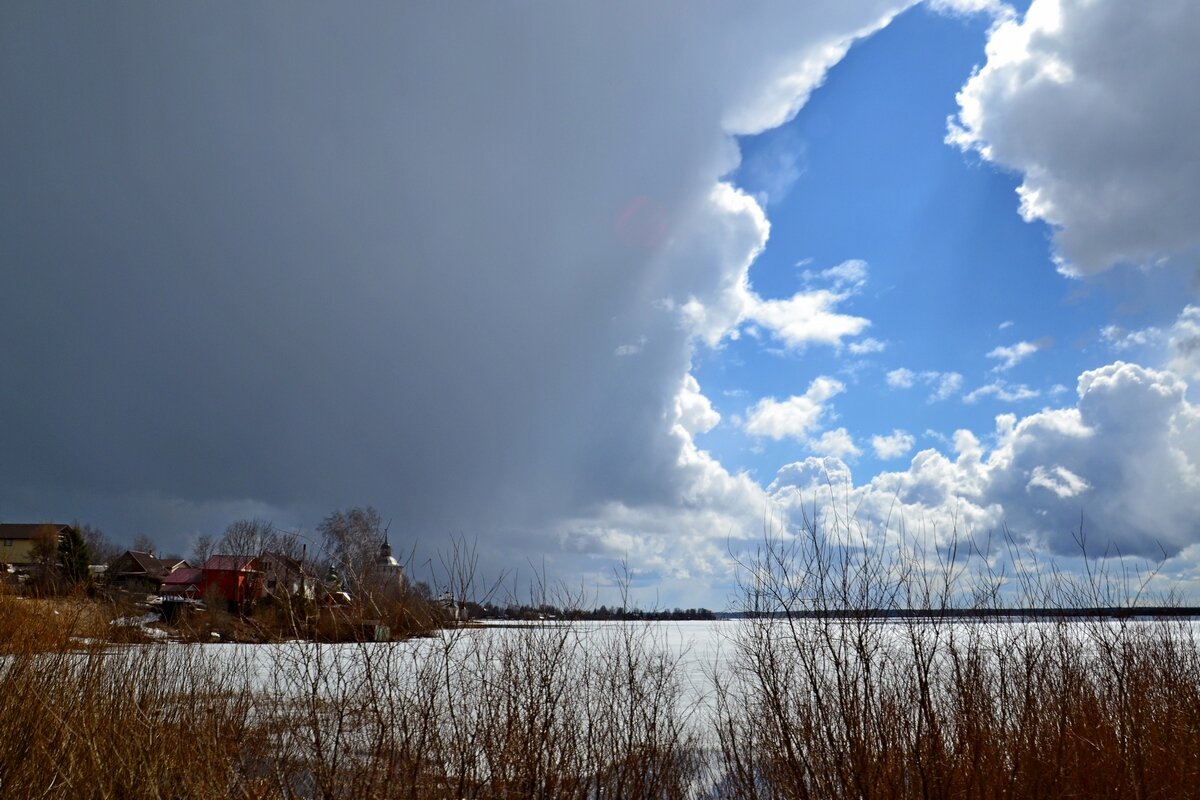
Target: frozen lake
[695,650]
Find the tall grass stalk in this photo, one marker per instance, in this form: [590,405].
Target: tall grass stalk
[827,699]
[548,711]
[818,698]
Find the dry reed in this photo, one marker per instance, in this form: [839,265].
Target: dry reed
[810,704]
[827,697]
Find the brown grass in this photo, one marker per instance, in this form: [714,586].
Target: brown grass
[549,712]
[32,624]
[824,707]
[807,706]
[80,717]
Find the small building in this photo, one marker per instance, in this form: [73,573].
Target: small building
[234,579]
[284,576]
[186,582]
[451,607]
[141,572]
[19,541]
[172,564]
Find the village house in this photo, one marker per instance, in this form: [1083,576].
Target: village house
[284,576]
[19,541]
[186,583]
[236,580]
[239,580]
[137,571]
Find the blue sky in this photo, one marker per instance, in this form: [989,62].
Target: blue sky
[602,283]
[949,260]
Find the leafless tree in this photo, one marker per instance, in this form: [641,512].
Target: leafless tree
[352,538]
[202,549]
[246,537]
[101,549]
[253,537]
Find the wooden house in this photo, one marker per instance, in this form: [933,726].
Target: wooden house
[19,542]
[141,572]
[186,582]
[284,576]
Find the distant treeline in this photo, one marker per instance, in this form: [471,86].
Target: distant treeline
[548,611]
[1092,612]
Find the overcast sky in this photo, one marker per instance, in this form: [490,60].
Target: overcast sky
[592,282]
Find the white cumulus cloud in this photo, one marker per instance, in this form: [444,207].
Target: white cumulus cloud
[894,445]
[849,275]
[946,385]
[1094,103]
[1059,480]
[1002,391]
[1125,459]
[1011,355]
[807,318]
[901,378]
[796,416]
[1120,339]
[837,443]
[866,347]
[693,410]
[810,316]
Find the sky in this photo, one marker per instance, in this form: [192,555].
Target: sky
[620,283]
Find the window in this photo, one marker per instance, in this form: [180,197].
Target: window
[8,542]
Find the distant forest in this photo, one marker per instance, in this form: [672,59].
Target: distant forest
[548,611]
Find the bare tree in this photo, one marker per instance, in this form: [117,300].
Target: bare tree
[101,549]
[143,544]
[202,549]
[44,553]
[352,539]
[246,537]
[256,536]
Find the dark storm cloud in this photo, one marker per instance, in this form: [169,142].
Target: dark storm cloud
[304,256]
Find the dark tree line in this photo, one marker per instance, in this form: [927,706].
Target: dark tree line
[550,611]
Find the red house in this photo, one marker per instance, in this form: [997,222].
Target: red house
[233,578]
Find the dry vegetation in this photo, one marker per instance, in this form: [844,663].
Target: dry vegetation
[805,706]
[551,712]
[938,707]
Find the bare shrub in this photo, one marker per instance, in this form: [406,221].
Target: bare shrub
[832,696]
[829,692]
[545,710]
[94,721]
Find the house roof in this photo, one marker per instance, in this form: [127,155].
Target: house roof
[135,562]
[286,562]
[183,577]
[27,530]
[230,563]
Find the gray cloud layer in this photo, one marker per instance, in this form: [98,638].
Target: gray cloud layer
[290,257]
[453,262]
